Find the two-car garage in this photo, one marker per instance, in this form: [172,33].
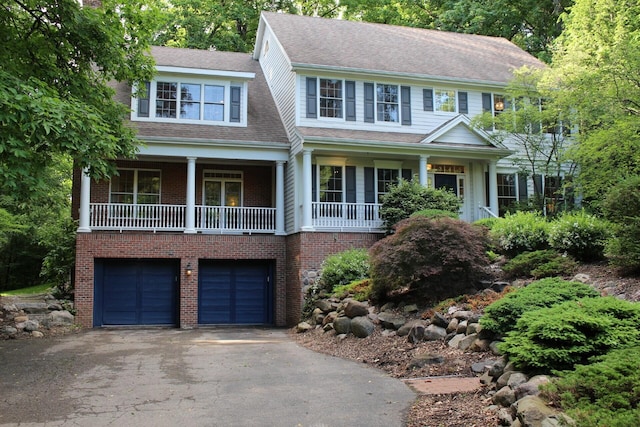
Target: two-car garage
[147,292]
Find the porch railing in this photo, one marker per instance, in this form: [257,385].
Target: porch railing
[342,216]
[152,217]
[485,212]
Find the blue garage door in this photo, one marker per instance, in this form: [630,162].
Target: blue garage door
[236,292]
[136,292]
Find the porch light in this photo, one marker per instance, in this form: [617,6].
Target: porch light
[499,106]
[188,270]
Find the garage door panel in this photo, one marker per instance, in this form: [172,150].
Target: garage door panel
[234,293]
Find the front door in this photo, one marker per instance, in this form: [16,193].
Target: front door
[447,181]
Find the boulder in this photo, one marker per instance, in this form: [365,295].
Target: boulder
[531,411]
[303,327]
[31,325]
[434,333]
[361,327]
[317,316]
[60,318]
[467,341]
[453,325]
[33,307]
[11,308]
[462,327]
[403,331]
[480,345]
[388,306]
[20,319]
[416,333]
[504,378]
[355,309]
[473,328]
[37,334]
[531,387]
[420,360]
[389,320]
[516,379]
[455,341]
[329,318]
[494,348]
[410,308]
[462,314]
[438,319]
[504,397]
[342,325]
[9,330]
[324,305]
[505,416]
[328,327]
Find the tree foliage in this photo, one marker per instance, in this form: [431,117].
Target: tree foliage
[55,67]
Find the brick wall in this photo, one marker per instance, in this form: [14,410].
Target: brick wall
[188,248]
[305,253]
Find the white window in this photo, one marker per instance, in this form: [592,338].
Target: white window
[444,100]
[387,98]
[507,192]
[222,188]
[210,102]
[331,98]
[385,179]
[331,183]
[135,186]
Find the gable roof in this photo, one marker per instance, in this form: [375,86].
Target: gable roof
[263,120]
[312,42]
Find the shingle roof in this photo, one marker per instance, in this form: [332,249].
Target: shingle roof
[362,46]
[263,120]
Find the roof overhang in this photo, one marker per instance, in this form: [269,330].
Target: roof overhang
[241,75]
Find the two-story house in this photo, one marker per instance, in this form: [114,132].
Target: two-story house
[255,168]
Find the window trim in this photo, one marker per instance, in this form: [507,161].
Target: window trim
[135,186]
[398,104]
[209,175]
[436,110]
[228,86]
[342,99]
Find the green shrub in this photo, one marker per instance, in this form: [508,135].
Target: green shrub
[408,197]
[488,222]
[435,258]
[603,393]
[539,264]
[580,235]
[359,290]
[502,316]
[622,207]
[343,268]
[567,334]
[521,232]
[436,213]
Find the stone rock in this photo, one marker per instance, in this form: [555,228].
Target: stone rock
[33,307]
[516,379]
[480,345]
[453,325]
[473,328]
[463,314]
[497,368]
[37,334]
[317,316]
[20,319]
[531,387]
[416,333]
[494,348]
[424,359]
[10,330]
[582,278]
[504,397]
[455,341]
[462,327]
[485,378]
[361,327]
[327,327]
[329,318]
[54,306]
[60,318]
[434,333]
[504,378]
[499,286]
[342,325]
[410,308]
[388,306]
[31,325]
[467,341]
[324,305]
[531,411]
[480,367]
[403,331]
[355,309]
[438,319]
[389,333]
[389,320]
[11,308]
[303,327]
[505,416]
[341,336]
[474,318]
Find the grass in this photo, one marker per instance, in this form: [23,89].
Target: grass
[32,290]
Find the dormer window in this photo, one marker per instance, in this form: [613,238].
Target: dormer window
[179,98]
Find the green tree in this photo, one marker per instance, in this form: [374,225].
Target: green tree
[595,73]
[56,63]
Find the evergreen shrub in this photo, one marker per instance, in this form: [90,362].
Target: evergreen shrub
[502,316]
[580,235]
[435,258]
[343,268]
[564,335]
[521,232]
[539,264]
[622,207]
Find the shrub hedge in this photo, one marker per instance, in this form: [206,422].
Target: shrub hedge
[521,232]
[539,264]
[343,268]
[580,235]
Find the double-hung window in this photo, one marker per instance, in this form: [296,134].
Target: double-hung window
[387,102]
[385,179]
[331,98]
[135,186]
[210,102]
[506,191]
[444,100]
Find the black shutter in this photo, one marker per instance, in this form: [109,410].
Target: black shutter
[522,188]
[427,99]
[369,185]
[143,101]
[537,184]
[314,184]
[312,98]
[405,99]
[463,104]
[350,175]
[350,96]
[407,175]
[369,103]
[236,100]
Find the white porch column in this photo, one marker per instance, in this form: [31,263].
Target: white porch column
[85,200]
[423,170]
[307,221]
[190,214]
[493,187]
[280,197]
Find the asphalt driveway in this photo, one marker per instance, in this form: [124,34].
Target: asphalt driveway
[202,377]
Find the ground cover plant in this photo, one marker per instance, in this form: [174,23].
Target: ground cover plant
[605,392]
[433,258]
[502,316]
[564,335]
[539,264]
